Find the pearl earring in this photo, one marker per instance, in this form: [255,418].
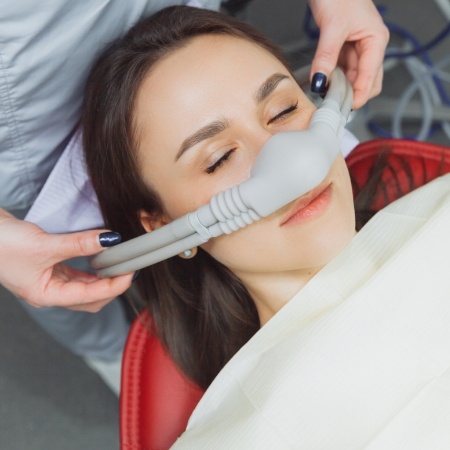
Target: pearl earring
[189,253]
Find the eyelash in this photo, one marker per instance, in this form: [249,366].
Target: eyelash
[283,113]
[220,161]
[227,155]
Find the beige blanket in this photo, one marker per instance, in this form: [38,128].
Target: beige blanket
[359,358]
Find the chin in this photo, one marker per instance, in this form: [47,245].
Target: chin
[333,243]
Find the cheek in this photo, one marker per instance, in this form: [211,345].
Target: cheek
[268,249]
[182,195]
[265,246]
[240,250]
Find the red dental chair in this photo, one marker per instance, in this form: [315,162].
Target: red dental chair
[156,399]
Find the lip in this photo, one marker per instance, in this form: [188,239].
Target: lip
[309,205]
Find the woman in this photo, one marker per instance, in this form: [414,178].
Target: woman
[210,148]
[160,141]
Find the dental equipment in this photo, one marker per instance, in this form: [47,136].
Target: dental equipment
[290,164]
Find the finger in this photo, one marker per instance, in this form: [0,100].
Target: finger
[91,307]
[361,95]
[67,273]
[83,243]
[75,291]
[348,61]
[328,49]
[369,73]
[361,98]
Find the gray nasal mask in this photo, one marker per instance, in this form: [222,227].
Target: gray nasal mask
[290,164]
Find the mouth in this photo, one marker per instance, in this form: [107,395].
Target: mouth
[309,206]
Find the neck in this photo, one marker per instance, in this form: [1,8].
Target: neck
[271,292]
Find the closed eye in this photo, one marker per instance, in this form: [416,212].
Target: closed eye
[283,113]
[220,161]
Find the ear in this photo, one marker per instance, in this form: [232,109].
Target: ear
[151,222]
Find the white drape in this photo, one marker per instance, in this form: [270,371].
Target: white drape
[359,358]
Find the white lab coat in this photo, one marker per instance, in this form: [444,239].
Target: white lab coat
[47,50]
[359,358]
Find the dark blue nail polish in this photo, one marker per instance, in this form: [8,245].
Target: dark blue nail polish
[109,238]
[319,83]
[136,274]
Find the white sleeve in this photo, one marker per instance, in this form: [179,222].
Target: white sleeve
[67,202]
[349,142]
[46,53]
[208,4]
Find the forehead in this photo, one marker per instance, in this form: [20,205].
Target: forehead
[209,75]
[220,55]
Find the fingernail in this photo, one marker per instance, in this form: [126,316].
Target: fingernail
[135,275]
[109,238]
[319,82]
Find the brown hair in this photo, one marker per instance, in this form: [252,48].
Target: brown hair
[201,311]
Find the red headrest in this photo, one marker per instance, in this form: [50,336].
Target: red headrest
[410,164]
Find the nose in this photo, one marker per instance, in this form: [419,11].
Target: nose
[258,137]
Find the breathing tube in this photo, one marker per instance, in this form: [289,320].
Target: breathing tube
[428,82]
[290,164]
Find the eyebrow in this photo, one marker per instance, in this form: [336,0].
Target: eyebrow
[206,132]
[216,127]
[269,86]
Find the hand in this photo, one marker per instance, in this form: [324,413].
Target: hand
[353,36]
[31,268]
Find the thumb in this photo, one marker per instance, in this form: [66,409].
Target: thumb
[327,52]
[82,243]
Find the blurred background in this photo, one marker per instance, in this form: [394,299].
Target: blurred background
[415,100]
[49,398]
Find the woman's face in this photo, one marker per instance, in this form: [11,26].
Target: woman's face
[201,117]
